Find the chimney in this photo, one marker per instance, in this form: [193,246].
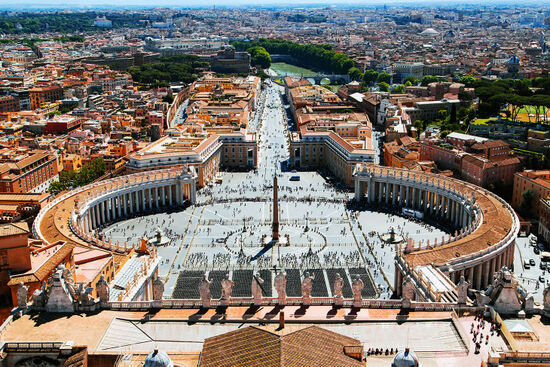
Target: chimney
[281,319]
[354,351]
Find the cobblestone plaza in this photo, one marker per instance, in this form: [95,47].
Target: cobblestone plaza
[225,230]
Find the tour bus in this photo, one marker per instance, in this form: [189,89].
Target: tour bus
[412,213]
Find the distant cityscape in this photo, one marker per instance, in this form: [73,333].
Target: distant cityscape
[275,184]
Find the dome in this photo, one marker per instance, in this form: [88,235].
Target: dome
[158,359]
[405,359]
[429,32]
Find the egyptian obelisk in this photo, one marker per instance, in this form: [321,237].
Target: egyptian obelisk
[275,235]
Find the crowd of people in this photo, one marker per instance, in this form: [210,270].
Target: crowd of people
[482,329]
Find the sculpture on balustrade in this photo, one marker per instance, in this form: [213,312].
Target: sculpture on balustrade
[227,288]
[60,291]
[462,290]
[338,286]
[307,286]
[83,296]
[158,289]
[546,301]
[39,297]
[102,290]
[22,296]
[407,292]
[280,287]
[256,288]
[357,288]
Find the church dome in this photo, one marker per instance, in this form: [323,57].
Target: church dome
[158,359]
[405,358]
[429,32]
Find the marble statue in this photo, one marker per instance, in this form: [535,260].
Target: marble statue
[257,289]
[83,296]
[546,301]
[307,286]
[227,288]
[22,296]
[39,297]
[158,289]
[338,286]
[204,291]
[357,287]
[462,290]
[102,290]
[280,287]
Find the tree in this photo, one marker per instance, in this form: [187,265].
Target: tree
[465,96]
[408,83]
[468,80]
[442,115]
[410,79]
[168,98]
[452,117]
[355,73]
[384,87]
[427,79]
[370,76]
[526,204]
[471,114]
[419,125]
[462,114]
[69,180]
[384,78]
[400,89]
[259,57]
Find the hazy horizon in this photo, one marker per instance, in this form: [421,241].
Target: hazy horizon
[85,4]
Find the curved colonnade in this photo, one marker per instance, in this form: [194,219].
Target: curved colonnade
[488,225]
[75,216]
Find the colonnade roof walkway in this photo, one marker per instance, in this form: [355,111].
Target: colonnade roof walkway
[498,224]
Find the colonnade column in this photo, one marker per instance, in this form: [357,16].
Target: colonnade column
[163,193]
[125,204]
[193,197]
[486,273]
[170,194]
[143,207]
[477,272]
[102,211]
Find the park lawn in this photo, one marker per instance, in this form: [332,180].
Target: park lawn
[481,121]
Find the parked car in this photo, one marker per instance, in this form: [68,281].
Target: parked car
[532,262]
[526,264]
[541,279]
[543,265]
[536,250]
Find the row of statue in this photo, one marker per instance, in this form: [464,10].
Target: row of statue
[280,286]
